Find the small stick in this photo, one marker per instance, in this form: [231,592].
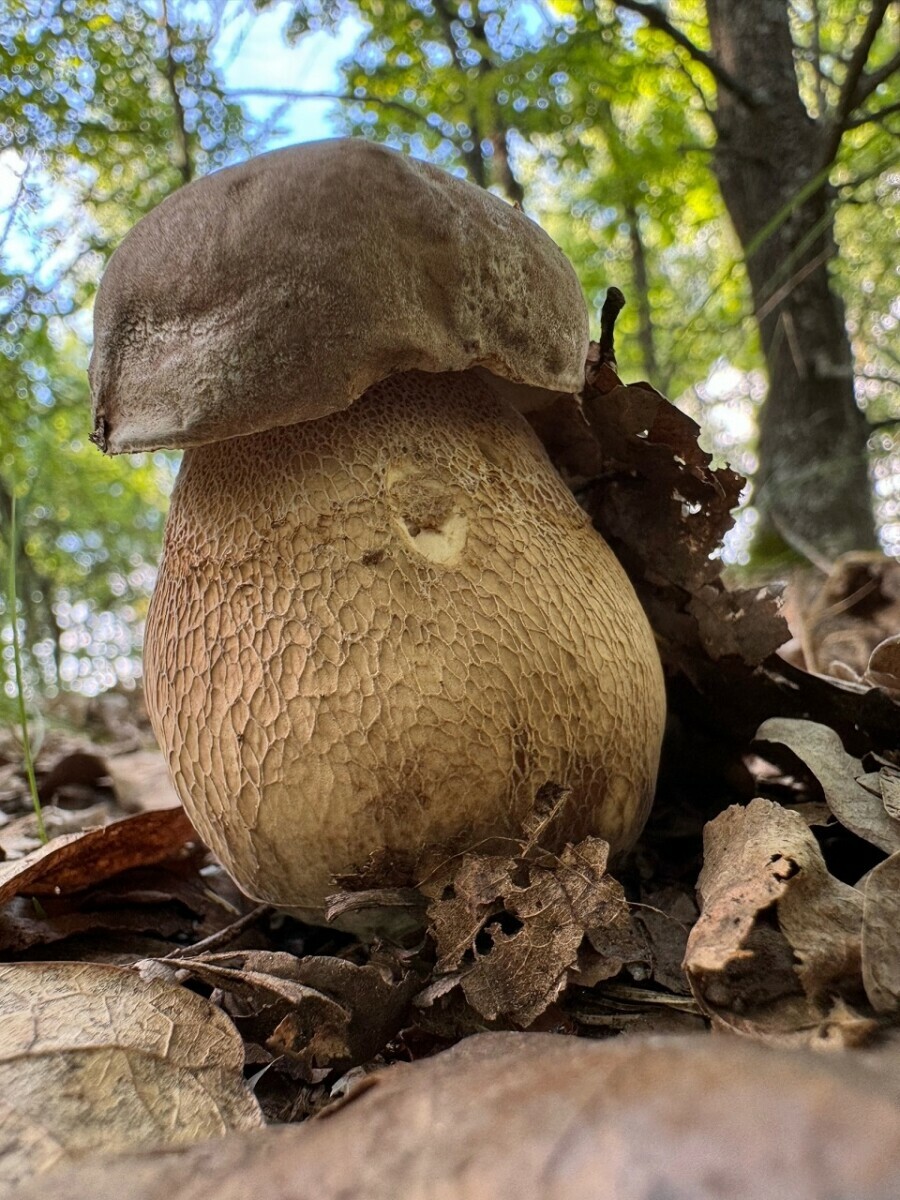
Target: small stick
[612,306]
[223,936]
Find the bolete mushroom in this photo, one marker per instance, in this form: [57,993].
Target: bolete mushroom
[382,624]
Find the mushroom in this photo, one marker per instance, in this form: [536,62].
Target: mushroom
[382,623]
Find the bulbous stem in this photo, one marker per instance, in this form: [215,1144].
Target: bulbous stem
[375,637]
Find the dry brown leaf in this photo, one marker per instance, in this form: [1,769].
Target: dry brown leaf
[543,1117]
[142,782]
[93,1059]
[883,669]
[514,927]
[838,622]
[821,751]
[778,937]
[667,916]
[78,766]
[889,786]
[881,936]
[637,467]
[137,914]
[77,860]
[325,1013]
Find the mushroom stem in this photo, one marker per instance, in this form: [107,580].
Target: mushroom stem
[377,635]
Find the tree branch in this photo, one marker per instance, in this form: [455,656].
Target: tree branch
[873,117]
[185,166]
[849,97]
[341,97]
[657,19]
[874,79]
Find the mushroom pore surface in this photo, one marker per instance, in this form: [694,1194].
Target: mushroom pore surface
[377,635]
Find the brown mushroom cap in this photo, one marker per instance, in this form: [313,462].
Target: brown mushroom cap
[282,289]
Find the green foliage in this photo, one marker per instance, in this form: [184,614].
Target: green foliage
[92,138]
[602,126]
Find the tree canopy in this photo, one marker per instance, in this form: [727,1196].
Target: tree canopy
[600,119]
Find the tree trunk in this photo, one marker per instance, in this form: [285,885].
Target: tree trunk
[812,486]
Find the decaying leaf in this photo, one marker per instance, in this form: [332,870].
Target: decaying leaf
[516,930]
[889,786]
[778,937]
[324,1013]
[634,461]
[838,622]
[883,668]
[667,916]
[139,913]
[93,1059]
[838,773]
[142,781]
[542,1117]
[881,936]
[77,860]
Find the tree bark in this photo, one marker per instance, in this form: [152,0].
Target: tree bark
[812,485]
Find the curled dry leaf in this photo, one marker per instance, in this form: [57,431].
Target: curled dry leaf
[516,930]
[138,913]
[838,622]
[542,1117]
[883,669]
[838,773]
[77,860]
[881,936]
[142,781]
[92,1059]
[889,786]
[324,1013]
[778,937]
[665,509]
[634,461]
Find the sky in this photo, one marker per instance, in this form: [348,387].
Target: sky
[253,54]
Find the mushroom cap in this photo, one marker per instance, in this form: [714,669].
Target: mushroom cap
[280,290]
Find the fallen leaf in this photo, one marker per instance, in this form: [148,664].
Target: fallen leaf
[778,937]
[514,926]
[141,781]
[75,767]
[667,916]
[881,936]
[636,465]
[325,1013]
[139,913]
[77,860]
[837,772]
[837,622]
[883,669]
[93,1059]
[889,785]
[544,1117]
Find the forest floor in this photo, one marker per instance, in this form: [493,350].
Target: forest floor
[147,1003]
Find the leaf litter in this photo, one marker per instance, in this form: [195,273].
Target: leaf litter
[544,1117]
[761,900]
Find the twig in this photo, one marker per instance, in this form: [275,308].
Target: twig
[874,117]
[223,936]
[849,97]
[657,19]
[185,167]
[342,97]
[612,306]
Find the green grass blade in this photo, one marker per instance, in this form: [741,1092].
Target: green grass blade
[20,690]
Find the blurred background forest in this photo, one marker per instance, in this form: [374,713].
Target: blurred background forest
[731,165]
